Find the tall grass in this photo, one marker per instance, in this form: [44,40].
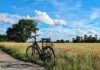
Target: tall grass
[69,56]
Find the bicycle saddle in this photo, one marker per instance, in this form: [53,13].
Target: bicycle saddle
[45,39]
[35,35]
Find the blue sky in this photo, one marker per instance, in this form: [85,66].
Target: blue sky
[58,19]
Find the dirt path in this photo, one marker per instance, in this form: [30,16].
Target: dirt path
[9,63]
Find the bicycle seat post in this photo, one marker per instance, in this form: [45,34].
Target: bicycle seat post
[44,40]
[35,38]
[42,43]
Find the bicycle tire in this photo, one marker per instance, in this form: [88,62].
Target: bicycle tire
[48,57]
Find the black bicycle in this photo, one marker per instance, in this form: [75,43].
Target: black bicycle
[45,53]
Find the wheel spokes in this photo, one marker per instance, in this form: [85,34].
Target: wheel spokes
[49,57]
[32,54]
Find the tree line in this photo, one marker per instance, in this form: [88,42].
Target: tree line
[3,38]
[61,41]
[86,39]
[23,30]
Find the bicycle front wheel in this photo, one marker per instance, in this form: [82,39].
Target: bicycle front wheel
[32,54]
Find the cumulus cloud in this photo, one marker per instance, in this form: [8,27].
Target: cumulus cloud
[4,19]
[40,16]
[10,18]
[45,18]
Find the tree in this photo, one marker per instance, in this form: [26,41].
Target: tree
[58,41]
[3,38]
[85,38]
[67,41]
[74,40]
[78,38]
[62,41]
[22,31]
[90,38]
[96,37]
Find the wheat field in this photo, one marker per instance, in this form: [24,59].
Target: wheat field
[69,56]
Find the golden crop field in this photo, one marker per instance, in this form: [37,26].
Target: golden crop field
[69,56]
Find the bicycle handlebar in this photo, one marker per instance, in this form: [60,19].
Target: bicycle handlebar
[36,35]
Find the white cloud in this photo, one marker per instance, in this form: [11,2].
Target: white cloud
[91,32]
[94,15]
[43,17]
[67,5]
[11,18]
[82,23]
[2,31]
[60,22]
[56,30]
[40,16]
[58,16]
[78,24]
[62,31]
[79,4]
[4,19]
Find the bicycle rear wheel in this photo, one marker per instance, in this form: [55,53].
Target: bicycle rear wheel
[49,56]
[32,54]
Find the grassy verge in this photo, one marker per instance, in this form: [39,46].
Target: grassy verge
[68,56]
[17,50]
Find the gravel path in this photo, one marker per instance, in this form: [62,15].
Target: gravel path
[9,63]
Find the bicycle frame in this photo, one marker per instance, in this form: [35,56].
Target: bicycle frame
[35,44]
[43,55]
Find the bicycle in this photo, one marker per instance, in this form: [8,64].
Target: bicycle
[45,54]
